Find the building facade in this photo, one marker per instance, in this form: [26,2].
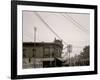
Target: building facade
[41,54]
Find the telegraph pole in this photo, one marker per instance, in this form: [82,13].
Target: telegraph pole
[69,49]
[35,29]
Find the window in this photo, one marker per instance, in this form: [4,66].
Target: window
[46,53]
[34,52]
[52,52]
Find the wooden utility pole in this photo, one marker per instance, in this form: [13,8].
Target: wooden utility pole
[69,49]
[35,29]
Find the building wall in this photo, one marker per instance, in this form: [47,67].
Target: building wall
[42,51]
[35,52]
[41,54]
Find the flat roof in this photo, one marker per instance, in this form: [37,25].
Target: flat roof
[41,44]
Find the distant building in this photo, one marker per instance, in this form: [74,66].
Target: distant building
[42,54]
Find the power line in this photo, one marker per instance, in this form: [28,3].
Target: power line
[77,23]
[79,26]
[47,25]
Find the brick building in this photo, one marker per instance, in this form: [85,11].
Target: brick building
[42,54]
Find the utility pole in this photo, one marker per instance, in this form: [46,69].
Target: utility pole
[69,49]
[35,29]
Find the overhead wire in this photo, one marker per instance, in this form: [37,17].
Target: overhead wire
[80,41]
[47,25]
[78,25]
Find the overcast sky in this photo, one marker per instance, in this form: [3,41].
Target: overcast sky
[72,28]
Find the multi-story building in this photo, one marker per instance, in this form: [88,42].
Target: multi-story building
[41,54]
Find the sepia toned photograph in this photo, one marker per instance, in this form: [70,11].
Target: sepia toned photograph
[55,39]
[52,39]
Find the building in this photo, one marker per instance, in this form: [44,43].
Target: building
[42,54]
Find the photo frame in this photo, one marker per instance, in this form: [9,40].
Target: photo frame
[33,27]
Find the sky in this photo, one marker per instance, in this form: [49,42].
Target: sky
[72,28]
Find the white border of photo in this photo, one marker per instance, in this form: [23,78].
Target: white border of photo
[21,71]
